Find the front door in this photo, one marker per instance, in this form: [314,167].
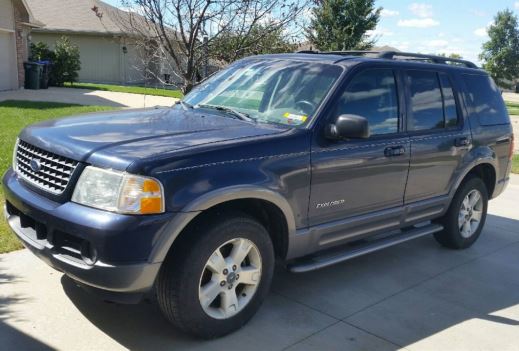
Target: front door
[352,178]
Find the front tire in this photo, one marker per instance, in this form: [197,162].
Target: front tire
[216,280]
[465,217]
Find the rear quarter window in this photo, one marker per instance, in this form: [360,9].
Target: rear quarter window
[485,100]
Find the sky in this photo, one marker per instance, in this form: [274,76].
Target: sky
[439,26]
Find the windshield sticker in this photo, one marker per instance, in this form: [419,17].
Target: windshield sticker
[295,119]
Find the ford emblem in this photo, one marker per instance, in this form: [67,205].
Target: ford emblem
[35,165]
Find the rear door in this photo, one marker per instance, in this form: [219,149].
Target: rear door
[439,138]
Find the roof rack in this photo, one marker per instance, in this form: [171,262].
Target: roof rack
[395,55]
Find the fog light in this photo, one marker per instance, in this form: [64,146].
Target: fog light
[88,253]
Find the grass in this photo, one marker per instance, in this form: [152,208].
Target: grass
[515,164]
[127,89]
[513,108]
[14,116]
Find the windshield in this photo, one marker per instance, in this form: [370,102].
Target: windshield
[274,91]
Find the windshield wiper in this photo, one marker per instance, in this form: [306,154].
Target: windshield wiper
[236,114]
[185,105]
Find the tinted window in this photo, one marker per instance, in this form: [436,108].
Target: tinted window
[372,94]
[449,103]
[485,99]
[426,101]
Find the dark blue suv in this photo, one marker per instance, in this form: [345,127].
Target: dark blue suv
[309,159]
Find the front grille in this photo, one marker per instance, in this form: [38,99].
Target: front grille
[54,171]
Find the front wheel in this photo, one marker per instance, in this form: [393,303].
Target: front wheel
[465,217]
[218,278]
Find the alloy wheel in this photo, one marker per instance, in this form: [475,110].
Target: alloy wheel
[470,214]
[230,278]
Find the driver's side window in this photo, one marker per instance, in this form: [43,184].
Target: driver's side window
[372,94]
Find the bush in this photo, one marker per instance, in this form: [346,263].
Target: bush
[64,59]
[66,63]
[40,51]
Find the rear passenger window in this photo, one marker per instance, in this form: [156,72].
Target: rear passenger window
[485,100]
[426,101]
[372,94]
[449,103]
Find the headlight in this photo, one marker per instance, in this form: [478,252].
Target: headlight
[119,192]
[15,161]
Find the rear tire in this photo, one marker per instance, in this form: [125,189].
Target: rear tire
[194,292]
[465,218]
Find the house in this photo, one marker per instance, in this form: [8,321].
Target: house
[16,22]
[108,52]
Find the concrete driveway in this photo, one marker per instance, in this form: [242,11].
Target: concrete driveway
[88,97]
[414,296]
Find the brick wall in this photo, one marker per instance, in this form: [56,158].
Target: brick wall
[21,32]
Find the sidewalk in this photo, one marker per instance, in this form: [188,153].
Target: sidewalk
[88,97]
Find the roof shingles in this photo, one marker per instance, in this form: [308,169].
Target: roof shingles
[77,16]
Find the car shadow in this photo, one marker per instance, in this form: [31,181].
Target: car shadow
[10,337]
[403,294]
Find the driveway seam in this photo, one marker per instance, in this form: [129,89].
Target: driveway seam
[307,306]
[310,335]
[375,335]
[429,279]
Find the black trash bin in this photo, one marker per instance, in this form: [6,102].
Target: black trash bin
[517,88]
[33,72]
[45,74]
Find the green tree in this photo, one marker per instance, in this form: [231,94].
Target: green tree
[451,55]
[65,63]
[500,54]
[40,51]
[230,45]
[343,24]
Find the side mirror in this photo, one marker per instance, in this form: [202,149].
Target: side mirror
[348,127]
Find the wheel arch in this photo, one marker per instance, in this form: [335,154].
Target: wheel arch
[484,168]
[265,205]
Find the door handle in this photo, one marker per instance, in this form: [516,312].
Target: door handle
[392,151]
[462,141]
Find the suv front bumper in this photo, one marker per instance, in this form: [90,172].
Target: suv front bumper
[96,248]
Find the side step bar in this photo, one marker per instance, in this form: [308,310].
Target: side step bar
[316,262]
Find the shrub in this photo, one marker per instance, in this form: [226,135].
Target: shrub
[66,63]
[40,51]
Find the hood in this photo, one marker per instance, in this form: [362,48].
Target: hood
[116,139]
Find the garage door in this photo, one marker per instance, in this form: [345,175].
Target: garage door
[8,75]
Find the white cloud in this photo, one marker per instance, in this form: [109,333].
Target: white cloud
[400,45]
[516,5]
[438,43]
[481,32]
[389,13]
[478,13]
[421,10]
[418,23]
[380,32]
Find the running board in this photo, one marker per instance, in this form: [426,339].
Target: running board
[316,262]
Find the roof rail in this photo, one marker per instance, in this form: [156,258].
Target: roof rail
[395,55]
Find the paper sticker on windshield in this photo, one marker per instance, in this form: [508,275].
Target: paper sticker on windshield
[295,119]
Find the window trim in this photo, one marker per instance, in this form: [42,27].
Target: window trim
[398,90]
[457,103]
[408,111]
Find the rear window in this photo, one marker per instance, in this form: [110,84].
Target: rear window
[485,100]
[426,101]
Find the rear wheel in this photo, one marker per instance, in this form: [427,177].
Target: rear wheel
[465,217]
[216,281]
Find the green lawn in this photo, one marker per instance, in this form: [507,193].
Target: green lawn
[515,164]
[513,108]
[127,89]
[14,116]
